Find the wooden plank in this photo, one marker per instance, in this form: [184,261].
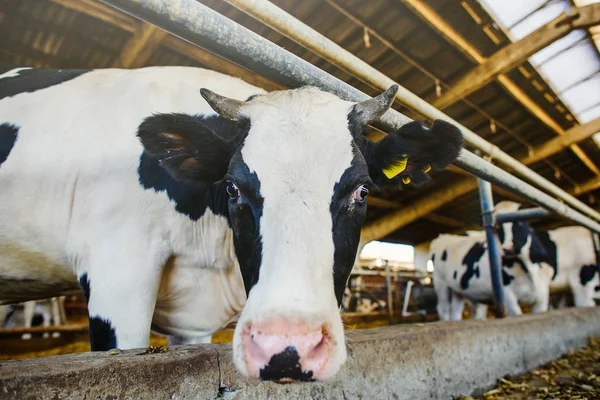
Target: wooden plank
[139,48]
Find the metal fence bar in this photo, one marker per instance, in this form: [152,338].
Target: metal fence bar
[479,167]
[487,215]
[289,26]
[522,215]
[212,31]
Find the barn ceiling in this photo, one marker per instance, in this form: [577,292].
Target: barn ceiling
[418,54]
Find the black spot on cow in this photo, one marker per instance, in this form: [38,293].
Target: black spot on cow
[501,234]
[433,258]
[455,274]
[587,273]
[506,278]
[191,198]
[471,258]
[597,288]
[31,80]
[8,137]
[445,255]
[102,334]
[510,262]
[285,365]
[347,218]
[543,249]
[84,282]
[521,232]
[186,157]
[245,214]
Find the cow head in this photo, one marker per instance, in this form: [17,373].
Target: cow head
[296,175]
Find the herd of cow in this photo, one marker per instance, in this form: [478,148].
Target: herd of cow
[534,264]
[177,209]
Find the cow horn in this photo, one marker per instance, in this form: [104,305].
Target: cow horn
[371,110]
[224,106]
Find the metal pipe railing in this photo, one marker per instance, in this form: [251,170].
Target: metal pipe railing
[294,29]
[481,168]
[208,29]
[212,31]
[522,215]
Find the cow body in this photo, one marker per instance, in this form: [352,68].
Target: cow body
[75,190]
[171,211]
[462,270]
[574,261]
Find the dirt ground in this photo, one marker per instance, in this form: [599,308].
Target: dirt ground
[574,376]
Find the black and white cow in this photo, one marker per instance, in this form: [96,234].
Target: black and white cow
[571,254]
[462,270]
[169,215]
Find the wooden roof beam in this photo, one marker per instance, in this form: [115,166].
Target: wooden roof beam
[574,135]
[102,12]
[518,52]
[430,16]
[139,48]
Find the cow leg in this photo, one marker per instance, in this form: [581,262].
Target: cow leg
[56,316]
[181,340]
[543,300]
[121,298]
[457,306]
[28,312]
[3,314]
[444,296]
[583,296]
[481,310]
[46,308]
[511,302]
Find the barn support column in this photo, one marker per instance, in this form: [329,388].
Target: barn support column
[489,223]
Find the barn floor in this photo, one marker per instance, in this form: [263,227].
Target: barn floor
[574,376]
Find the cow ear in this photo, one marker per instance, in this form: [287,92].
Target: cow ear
[409,154]
[186,147]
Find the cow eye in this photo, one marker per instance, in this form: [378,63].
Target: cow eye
[360,194]
[232,190]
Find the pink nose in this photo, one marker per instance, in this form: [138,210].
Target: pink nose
[286,350]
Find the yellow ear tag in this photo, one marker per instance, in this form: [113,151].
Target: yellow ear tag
[427,168]
[406,180]
[396,169]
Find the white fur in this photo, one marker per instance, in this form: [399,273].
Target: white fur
[13,72]
[575,250]
[299,148]
[71,203]
[527,288]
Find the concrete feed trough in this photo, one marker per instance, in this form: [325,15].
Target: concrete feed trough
[431,361]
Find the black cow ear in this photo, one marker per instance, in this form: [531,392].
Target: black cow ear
[186,147]
[409,154]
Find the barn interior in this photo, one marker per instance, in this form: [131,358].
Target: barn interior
[427,46]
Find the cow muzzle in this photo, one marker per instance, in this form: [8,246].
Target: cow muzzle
[286,350]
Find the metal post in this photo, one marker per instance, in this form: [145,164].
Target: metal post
[409,286]
[388,284]
[487,216]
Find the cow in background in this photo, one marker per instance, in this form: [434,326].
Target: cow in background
[177,196]
[51,310]
[462,270]
[574,262]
